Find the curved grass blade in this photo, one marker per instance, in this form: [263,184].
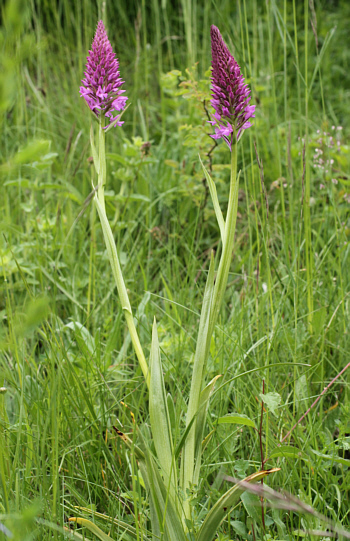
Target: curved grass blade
[92,528]
[223,506]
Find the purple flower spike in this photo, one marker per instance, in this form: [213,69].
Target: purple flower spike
[230,97]
[102,84]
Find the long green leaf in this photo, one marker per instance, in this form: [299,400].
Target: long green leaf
[155,510]
[223,506]
[214,198]
[200,426]
[159,415]
[169,520]
[202,347]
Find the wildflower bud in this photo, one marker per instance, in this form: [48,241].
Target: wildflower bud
[102,83]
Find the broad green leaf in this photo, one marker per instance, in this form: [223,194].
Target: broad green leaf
[92,527]
[214,197]
[236,418]
[289,452]
[272,401]
[159,414]
[223,506]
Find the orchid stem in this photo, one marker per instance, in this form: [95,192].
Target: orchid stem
[112,250]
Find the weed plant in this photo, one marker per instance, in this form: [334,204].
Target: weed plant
[68,373]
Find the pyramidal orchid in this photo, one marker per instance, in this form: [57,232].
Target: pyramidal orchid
[230,97]
[101,86]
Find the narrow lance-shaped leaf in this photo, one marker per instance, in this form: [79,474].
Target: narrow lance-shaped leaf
[159,415]
[214,198]
[200,425]
[202,347]
[168,519]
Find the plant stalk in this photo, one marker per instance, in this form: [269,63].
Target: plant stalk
[112,250]
[188,461]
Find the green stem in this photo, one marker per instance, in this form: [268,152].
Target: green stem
[113,255]
[215,305]
[102,163]
[226,256]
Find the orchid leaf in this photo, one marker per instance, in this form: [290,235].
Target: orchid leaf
[201,355]
[164,508]
[159,414]
[200,425]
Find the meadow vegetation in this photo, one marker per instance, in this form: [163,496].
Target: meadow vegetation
[68,372]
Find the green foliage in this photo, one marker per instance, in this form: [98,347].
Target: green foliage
[66,360]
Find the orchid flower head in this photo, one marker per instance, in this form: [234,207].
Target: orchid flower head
[101,86]
[230,95]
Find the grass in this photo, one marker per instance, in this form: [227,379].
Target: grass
[65,356]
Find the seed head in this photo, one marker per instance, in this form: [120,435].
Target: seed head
[230,97]
[102,83]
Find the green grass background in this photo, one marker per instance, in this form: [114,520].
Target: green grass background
[65,356]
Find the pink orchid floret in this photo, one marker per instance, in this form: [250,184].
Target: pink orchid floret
[101,87]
